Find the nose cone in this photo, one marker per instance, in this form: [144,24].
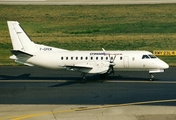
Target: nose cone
[164,65]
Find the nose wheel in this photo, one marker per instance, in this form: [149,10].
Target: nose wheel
[151,77]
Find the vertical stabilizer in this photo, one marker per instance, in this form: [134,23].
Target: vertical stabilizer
[20,40]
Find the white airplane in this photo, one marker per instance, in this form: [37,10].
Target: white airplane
[96,62]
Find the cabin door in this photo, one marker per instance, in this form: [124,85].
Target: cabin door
[126,62]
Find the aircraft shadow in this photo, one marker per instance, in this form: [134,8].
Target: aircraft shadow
[65,81]
[89,78]
[28,77]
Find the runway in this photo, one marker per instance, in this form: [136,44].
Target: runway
[36,90]
[32,85]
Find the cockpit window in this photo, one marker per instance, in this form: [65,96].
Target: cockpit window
[152,56]
[145,57]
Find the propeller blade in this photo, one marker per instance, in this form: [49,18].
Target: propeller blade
[114,57]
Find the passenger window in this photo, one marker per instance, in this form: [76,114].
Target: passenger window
[71,58]
[133,58]
[66,58]
[91,58]
[106,58]
[81,58]
[101,58]
[145,57]
[62,58]
[96,58]
[120,58]
[111,58]
[86,58]
[76,58]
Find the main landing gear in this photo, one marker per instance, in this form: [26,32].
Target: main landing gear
[151,77]
[102,77]
[83,78]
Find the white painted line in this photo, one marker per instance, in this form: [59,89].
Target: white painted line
[142,81]
[78,81]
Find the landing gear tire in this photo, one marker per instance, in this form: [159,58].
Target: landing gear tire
[103,77]
[83,78]
[151,77]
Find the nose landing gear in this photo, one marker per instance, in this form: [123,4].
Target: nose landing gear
[151,77]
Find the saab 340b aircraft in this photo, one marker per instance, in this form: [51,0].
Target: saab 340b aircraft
[102,62]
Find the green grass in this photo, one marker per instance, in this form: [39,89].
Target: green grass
[84,27]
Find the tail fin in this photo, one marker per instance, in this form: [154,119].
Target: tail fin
[20,40]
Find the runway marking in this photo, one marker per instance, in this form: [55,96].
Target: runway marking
[38,81]
[144,81]
[83,109]
[78,81]
[126,104]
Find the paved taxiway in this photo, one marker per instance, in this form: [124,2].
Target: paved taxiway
[32,85]
[36,93]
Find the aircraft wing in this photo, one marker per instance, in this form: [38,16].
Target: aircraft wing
[90,67]
[83,67]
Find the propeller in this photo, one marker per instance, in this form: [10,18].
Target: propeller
[112,64]
[112,57]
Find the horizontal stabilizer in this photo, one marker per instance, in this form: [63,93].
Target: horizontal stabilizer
[19,53]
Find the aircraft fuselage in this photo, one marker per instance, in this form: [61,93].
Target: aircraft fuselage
[123,60]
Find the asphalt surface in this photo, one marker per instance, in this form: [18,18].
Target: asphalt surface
[32,85]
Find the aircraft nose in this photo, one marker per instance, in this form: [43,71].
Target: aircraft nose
[165,65]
